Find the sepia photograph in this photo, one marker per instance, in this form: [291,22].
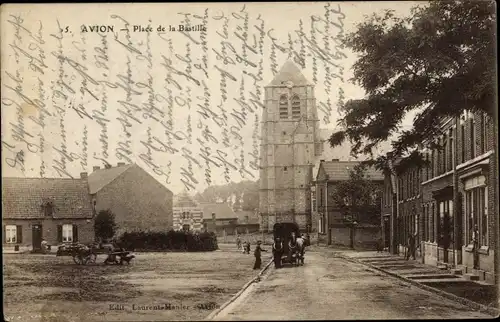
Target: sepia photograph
[250,161]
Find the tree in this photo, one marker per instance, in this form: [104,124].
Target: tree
[359,197]
[438,62]
[251,197]
[105,225]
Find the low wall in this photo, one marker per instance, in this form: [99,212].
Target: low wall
[364,236]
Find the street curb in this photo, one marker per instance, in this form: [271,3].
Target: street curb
[214,313]
[476,306]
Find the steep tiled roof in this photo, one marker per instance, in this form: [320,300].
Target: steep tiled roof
[23,198]
[252,216]
[289,72]
[339,170]
[221,210]
[102,177]
[343,151]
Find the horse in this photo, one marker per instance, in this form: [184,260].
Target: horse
[300,250]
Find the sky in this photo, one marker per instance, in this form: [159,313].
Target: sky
[185,106]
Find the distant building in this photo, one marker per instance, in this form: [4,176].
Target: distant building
[188,215]
[325,212]
[218,216]
[139,201]
[57,210]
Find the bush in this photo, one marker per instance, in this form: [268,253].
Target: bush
[169,241]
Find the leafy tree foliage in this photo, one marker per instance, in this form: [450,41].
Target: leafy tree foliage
[246,190]
[438,62]
[359,197]
[105,225]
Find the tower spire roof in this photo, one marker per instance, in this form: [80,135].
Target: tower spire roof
[289,72]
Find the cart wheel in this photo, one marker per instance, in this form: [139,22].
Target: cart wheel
[92,258]
[78,259]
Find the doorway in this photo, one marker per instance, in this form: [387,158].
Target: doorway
[387,232]
[37,237]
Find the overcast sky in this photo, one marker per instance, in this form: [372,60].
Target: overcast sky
[48,62]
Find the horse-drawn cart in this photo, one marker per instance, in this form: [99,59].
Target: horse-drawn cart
[291,251]
[87,254]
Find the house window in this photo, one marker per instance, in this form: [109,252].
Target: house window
[476,212]
[484,134]
[432,163]
[67,233]
[11,234]
[462,139]
[444,161]
[283,107]
[431,223]
[473,137]
[285,168]
[450,151]
[295,107]
[427,166]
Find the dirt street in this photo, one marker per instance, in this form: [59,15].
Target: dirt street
[331,288]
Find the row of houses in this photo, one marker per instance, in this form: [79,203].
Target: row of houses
[445,200]
[62,210]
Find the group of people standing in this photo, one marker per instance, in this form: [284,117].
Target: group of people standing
[245,247]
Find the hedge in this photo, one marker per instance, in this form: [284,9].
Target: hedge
[169,241]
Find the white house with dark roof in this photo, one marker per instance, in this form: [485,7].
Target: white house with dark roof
[139,201]
[57,210]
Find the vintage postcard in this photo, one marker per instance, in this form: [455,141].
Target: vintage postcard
[249,161]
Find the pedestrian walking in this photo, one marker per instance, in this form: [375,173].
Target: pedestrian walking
[475,247]
[257,253]
[411,247]
[238,243]
[380,245]
[277,252]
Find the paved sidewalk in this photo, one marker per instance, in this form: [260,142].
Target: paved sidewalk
[477,294]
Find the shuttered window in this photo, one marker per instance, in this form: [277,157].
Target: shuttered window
[283,107]
[295,107]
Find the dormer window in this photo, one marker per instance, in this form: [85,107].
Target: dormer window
[48,208]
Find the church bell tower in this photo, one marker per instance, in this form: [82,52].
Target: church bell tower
[290,142]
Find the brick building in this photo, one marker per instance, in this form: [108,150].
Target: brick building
[57,210]
[327,214]
[457,190]
[138,200]
[188,215]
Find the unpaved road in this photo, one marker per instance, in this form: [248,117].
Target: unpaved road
[332,288]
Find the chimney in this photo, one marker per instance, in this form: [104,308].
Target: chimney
[83,175]
[121,163]
[335,160]
[321,160]
[96,167]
